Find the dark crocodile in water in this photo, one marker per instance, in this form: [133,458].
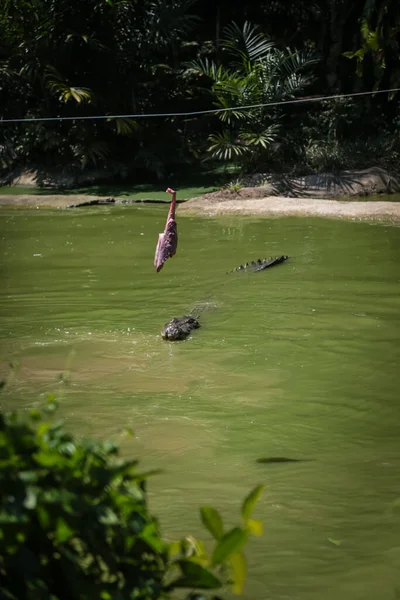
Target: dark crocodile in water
[179,328]
[281,459]
[261,264]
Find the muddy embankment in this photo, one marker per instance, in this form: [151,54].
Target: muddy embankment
[371,194]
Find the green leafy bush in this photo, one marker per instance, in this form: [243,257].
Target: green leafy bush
[75,524]
[256,74]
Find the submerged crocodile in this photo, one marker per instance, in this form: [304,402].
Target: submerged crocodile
[281,459]
[179,328]
[261,264]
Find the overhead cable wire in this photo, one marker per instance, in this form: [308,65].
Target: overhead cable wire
[200,112]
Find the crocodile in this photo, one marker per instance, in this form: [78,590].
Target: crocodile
[261,264]
[178,328]
[281,459]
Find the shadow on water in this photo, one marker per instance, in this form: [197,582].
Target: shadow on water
[297,362]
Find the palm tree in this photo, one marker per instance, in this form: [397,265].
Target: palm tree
[256,73]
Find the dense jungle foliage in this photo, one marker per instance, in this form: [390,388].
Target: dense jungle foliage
[75,524]
[120,57]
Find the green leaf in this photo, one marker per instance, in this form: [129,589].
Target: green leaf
[230,543]
[44,517]
[6,518]
[255,527]
[239,569]
[109,517]
[335,542]
[246,43]
[146,474]
[125,126]
[128,432]
[348,54]
[30,498]
[250,501]
[151,537]
[174,548]
[51,407]
[21,537]
[46,459]
[63,531]
[35,414]
[196,576]
[28,476]
[212,520]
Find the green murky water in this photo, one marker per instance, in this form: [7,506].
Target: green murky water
[300,361]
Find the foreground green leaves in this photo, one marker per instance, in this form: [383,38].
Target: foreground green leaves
[229,544]
[74,520]
[211,519]
[195,576]
[250,502]
[227,555]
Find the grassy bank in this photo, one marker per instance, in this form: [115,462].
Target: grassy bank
[134,192]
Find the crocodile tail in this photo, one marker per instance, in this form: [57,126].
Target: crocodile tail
[270,262]
[260,264]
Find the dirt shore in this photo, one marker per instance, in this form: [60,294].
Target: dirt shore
[332,195]
[281,206]
[215,204]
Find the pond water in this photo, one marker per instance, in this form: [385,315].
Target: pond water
[299,361]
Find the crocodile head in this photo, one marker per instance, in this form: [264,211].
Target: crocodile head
[179,328]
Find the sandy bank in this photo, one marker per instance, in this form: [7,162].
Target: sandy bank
[214,205]
[281,206]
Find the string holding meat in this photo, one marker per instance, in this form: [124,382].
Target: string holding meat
[168,240]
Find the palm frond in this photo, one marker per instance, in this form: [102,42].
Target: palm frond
[229,116]
[209,68]
[124,125]
[224,146]
[58,86]
[6,71]
[246,43]
[293,62]
[262,138]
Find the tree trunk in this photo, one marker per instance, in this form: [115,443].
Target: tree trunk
[337,14]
